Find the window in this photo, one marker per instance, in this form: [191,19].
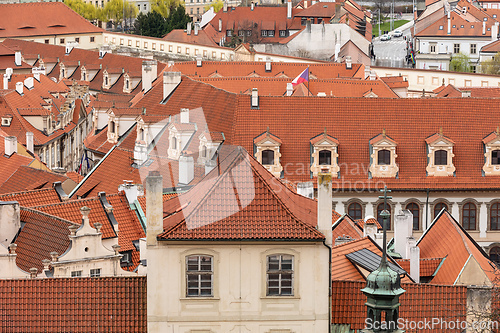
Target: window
[76,274]
[325,157]
[137,43]
[439,207]
[495,255]
[384,157]
[268,157]
[456,48]
[495,216]
[145,6]
[205,53]
[162,47]
[61,41]
[264,33]
[174,142]
[213,54]
[145,45]
[303,21]
[495,157]
[46,41]
[77,39]
[112,127]
[178,49]
[440,27]
[105,80]
[241,33]
[229,33]
[469,216]
[187,50]
[191,11]
[355,211]
[415,210]
[270,33]
[440,157]
[282,33]
[280,275]
[249,32]
[96,272]
[129,42]
[153,46]
[473,48]
[380,209]
[198,9]
[126,259]
[199,276]
[433,47]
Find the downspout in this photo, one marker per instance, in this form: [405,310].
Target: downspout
[427,210]
[329,286]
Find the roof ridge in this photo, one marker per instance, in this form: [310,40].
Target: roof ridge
[26,191]
[35,211]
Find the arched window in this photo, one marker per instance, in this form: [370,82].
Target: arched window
[141,134]
[112,127]
[415,210]
[355,211]
[384,157]
[325,157]
[127,84]
[495,255]
[438,207]
[174,142]
[495,157]
[469,216]
[268,157]
[441,157]
[105,80]
[380,208]
[204,151]
[495,216]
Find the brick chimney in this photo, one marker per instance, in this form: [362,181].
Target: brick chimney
[325,206]
[154,206]
[255,98]
[170,81]
[10,145]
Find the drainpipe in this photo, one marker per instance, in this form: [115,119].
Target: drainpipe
[427,210]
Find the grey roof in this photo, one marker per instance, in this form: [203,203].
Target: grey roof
[370,261]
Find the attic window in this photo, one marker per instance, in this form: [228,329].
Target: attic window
[454,26]
[485,19]
[461,26]
[324,154]
[57,26]
[27,27]
[6,121]
[383,156]
[472,26]
[494,15]
[440,27]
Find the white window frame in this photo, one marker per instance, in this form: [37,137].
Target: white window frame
[280,272]
[199,273]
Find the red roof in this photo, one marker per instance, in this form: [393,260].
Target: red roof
[33,197]
[428,266]
[254,206]
[346,227]
[320,9]
[181,36]
[461,27]
[27,178]
[110,304]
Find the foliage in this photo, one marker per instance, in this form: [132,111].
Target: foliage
[491,66]
[164,7]
[217,5]
[178,19]
[460,63]
[386,26]
[152,24]
[115,12]
[87,10]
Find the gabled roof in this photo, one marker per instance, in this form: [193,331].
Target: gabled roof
[266,135]
[33,197]
[181,36]
[463,27]
[447,91]
[252,206]
[382,137]
[323,136]
[319,9]
[428,266]
[438,137]
[42,19]
[445,238]
[27,178]
[345,226]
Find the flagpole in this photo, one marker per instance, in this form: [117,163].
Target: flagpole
[308,79]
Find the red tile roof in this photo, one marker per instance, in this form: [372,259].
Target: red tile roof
[27,178]
[108,304]
[428,266]
[346,227]
[418,303]
[470,28]
[254,206]
[9,165]
[320,9]
[447,91]
[395,82]
[74,176]
[181,36]
[33,198]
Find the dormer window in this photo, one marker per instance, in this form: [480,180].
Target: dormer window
[173,143]
[491,146]
[179,134]
[84,74]
[112,127]
[105,79]
[6,121]
[383,156]
[209,143]
[324,154]
[440,155]
[267,152]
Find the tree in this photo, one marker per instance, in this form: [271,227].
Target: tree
[491,66]
[217,5]
[164,7]
[152,24]
[460,63]
[87,10]
[115,12]
[178,19]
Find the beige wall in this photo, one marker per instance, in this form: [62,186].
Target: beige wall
[239,303]
[84,40]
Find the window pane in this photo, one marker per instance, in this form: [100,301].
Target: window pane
[494,216]
[268,157]
[273,263]
[325,157]
[440,157]
[354,211]
[286,263]
[384,157]
[495,157]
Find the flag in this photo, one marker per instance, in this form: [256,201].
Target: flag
[303,77]
[80,166]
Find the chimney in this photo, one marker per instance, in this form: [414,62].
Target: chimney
[306,189]
[305,4]
[37,71]
[367,71]
[414,256]
[184,116]
[198,60]
[154,206]
[19,87]
[29,82]
[289,9]
[209,166]
[5,81]
[308,25]
[255,98]
[343,239]
[29,142]
[186,170]
[449,23]
[188,30]
[268,64]
[403,227]
[484,28]
[170,81]
[325,206]
[289,89]
[10,221]
[170,63]
[149,72]
[373,76]
[131,190]
[10,145]
[370,228]
[224,8]
[17,58]
[348,62]
[252,5]
[9,72]
[140,154]
[494,31]
[196,28]
[220,25]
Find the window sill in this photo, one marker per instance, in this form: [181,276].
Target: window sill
[280,297]
[200,299]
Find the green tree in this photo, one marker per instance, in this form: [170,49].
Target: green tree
[87,10]
[460,63]
[217,5]
[115,12]
[164,7]
[152,24]
[178,19]
[491,66]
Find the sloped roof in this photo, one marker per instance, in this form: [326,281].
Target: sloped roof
[111,304]
[252,207]
[445,238]
[33,197]
[463,27]
[319,9]
[181,36]
[9,165]
[42,19]
[345,226]
[447,91]
[27,178]
[428,266]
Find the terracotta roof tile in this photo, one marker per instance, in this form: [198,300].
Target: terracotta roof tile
[180,35]
[346,227]
[428,266]
[27,178]
[33,198]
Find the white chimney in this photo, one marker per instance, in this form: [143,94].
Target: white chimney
[17,58]
[449,23]
[131,190]
[149,71]
[414,256]
[379,239]
[348,62]
[289,89]
[170,81]
[484,28]
[268,64]
[170,63]
[220,25]
[29,142]
[188,30]
[403,228]
[373,75]
[313,2]
[252,6]
[184,116]
[37,71]
[5,81]
[19,87]
[289,9]
[224,8]
[10,145]
[186,170]
[370,228]
[198,60]
[367,71]
[140,152]
[209,166]
[29,82]
[306,189]
[325,206]
[305,4]
[196,28]
[494,31]
[9,72]
[343,239]
[255,98]
[154,206]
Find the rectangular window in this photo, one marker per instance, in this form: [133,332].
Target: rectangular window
[270,33]
[61,41]
[121,41]
[223,56]
[76,274]
[264,33]
[456,48]
[229,33]
[153,46]
[129,42]
[77,39]
[145,45]
[196,51]
[495,157]
[282,33]
[178,49]
[170,48]
[213,54]
[92,39]
[187,50]
[137,43]
[205,53]
[280,275]
[241,33]
[46,41]
[199,276]
[162,47]
[145,6]
[95,272]
[484,83]
[473,48]
[433,47]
